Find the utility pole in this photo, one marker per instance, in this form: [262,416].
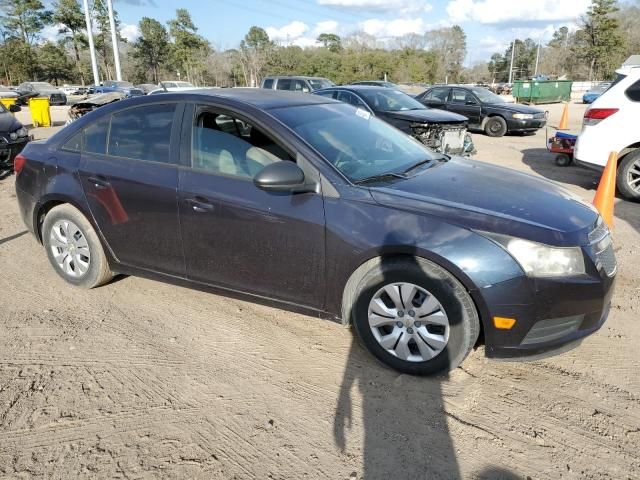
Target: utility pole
[92,48]
[537,57]
[513,51]
[114,40]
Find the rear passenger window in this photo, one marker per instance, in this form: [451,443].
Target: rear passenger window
[284,84]
[268,83]
[142,133]
[95,136]
[633,92]
[74,144]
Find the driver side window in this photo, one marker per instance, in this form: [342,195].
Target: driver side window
[223,144]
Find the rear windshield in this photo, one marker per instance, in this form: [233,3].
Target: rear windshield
[318,83]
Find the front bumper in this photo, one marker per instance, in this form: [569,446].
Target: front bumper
[529,125]
[551,314]
[8,152]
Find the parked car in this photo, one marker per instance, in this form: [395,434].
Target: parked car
[296,84]
[304,202]
[7,92]
[485,110]
[376,83]
[595,92]
[438,129]
[610,124]
[29,90]
[127,88]
[146,87]
[13,136]
[92,102]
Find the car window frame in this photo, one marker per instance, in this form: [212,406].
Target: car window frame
[186,135]
[364,105]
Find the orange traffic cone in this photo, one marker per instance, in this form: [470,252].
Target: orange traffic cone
[564,119]
[606,192]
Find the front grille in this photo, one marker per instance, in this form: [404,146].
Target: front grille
[552,329]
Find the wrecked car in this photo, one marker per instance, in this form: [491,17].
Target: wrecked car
[89,104]
[439,130]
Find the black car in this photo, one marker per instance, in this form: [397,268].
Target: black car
[29,90]
[302,201]
[438,129]
[13,136]
[484,109]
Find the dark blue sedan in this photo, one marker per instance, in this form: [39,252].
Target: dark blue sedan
[316,205]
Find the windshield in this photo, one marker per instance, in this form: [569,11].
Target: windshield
[352,140]
[318,83]
[486,96]
[388,100]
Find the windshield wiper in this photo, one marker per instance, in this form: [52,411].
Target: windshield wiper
[379,178]
[443,156]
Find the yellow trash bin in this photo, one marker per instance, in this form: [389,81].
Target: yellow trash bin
[40,114]
[7,102]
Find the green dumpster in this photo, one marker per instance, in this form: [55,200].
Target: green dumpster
[548,91]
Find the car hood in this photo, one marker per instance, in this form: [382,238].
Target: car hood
[514,107]
[489,198]
[8,123]
[5,94]
[427,115]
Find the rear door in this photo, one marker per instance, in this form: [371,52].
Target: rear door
[129,172]
[239,236]
[436,97]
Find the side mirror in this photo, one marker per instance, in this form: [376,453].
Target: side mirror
[283,176]
[14,108]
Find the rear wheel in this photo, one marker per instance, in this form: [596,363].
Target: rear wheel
[628,179]
[563,160]
[495,127]
[73,248]
[413,315]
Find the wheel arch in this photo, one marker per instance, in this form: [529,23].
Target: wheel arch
[627,150]
[51,201]
[349,290]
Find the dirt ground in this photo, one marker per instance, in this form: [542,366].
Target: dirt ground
[141,379]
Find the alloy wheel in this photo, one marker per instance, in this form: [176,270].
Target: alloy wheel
[70,248]
[633,176]
[408,322]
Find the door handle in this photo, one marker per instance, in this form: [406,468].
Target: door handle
[100,183]
[200,204]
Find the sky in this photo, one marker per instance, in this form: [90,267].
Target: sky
[490,25]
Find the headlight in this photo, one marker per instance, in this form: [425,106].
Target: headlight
[523,116]
[22,132]
[538,260]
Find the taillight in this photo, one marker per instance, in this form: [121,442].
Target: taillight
[593,116]
[18,163]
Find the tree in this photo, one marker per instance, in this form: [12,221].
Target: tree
[68,14]
[53,63]
[152,48]
[255,49]
[331,41]
[450,45]
[190,50]
[599,40]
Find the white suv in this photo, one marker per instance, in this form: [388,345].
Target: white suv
[611,124]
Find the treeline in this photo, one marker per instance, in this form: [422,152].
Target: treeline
[176,49]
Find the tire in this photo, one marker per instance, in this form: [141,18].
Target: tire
[563,160]
[454,303]
[495,127]
[628,172]
[86,265]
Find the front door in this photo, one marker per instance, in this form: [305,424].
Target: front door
[465,103]
[129,174]
[236,235]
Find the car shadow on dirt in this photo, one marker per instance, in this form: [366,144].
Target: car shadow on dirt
[541,161]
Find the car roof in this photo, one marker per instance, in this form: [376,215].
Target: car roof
[262,98]
[358,88]
[302,77]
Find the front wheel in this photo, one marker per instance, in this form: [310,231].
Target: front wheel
[628,180]
[73,248]
[414,316]
[495,127]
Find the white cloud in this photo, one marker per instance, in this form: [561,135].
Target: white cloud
[510,11]
[129,31]
[328,26]
[393,28]
[289,32]
[401,6]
